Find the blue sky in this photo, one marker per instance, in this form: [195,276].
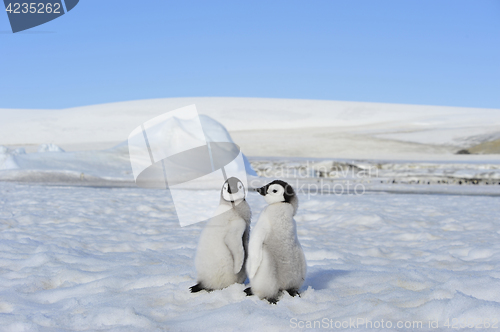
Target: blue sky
[413,52]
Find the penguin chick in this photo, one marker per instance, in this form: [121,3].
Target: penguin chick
[222,249]
[276,261]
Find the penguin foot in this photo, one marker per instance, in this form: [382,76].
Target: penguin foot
[199,287]
[272,300]
[248,291]
[293,292]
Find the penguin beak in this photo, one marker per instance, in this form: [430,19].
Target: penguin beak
[262,191]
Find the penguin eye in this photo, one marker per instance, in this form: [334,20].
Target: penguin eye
[275,191]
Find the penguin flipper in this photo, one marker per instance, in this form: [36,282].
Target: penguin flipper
[234,242]
[255,248]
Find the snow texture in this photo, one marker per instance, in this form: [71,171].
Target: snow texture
[87,259]
[418,245]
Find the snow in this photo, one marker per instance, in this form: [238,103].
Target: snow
[321,128]
[110,167]
[411,237]
[116,259]
[49,148]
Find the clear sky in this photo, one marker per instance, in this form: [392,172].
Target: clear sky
[435,52]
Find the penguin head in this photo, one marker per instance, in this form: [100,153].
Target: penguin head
[233,190]
[277,191]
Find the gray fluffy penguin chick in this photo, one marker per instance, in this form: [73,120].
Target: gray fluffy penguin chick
[222,250]
[276,261]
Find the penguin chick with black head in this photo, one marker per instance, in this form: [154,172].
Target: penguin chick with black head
[222,250]
[276,262]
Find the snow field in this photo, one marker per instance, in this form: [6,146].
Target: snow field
[76,258]
[272,127]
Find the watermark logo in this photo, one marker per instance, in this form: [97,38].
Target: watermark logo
[26,15]
[175,151]
[314,178]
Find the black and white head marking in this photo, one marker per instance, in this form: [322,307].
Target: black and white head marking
[277,191]
[233,190]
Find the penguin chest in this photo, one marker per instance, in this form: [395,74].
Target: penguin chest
[285,253]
